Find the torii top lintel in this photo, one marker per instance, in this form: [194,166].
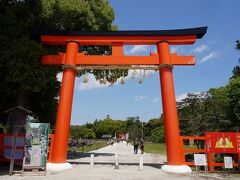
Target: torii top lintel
[176,36]
[119,38]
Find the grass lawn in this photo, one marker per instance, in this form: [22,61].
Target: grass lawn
[155,148]
[160,148]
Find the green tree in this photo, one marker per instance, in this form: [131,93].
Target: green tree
[152,124]
[236,69]
[157,135]
[82,132]
[204,112]
[23,80]
[234,96]
[109,126]
[234,103]
[134,127]
[217,110]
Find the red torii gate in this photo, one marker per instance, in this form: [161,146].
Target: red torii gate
[164,59]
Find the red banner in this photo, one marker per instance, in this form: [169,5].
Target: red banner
[222,142]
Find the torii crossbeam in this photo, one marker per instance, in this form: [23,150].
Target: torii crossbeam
[117,39]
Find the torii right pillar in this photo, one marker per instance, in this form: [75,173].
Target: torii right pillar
[174,144]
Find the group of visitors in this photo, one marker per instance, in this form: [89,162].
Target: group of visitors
[136,144]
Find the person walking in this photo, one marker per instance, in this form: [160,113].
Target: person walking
[75,150]
[142,145]
[135,146]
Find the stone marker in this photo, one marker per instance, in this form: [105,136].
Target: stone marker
[92,160]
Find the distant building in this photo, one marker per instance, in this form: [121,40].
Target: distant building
[121,136]
[106,136]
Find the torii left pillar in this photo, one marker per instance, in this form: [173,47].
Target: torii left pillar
[58,159]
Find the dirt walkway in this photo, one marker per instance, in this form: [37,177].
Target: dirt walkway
[104,168]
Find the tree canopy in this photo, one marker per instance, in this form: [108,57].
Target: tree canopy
[215,110]
[23,80]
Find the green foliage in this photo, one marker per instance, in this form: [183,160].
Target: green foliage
[109,126]
[77,15]
[238,44]
[4,128]
[152,130]
[204,112]
[21,74]
[134,127]
[236,69]
[152,124]
[216,110]
[157,135]
[234,103]
[82,132]
[156,122]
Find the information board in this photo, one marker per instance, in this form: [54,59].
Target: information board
[200,160]
[222,142]
[228,163]
[36,147]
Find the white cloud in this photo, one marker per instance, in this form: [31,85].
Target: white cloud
[138,49]
[200,49]
[155,100]
[181,97]
[92,83]
[175,49]
[154,49]
[184,95]
[210,56]
[140,98]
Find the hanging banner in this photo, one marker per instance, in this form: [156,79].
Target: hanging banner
[36,147]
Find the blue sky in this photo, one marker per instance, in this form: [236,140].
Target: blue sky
[215,55]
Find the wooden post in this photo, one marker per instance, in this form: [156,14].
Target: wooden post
[13,151]
[210,162]
[141,163]
[92,160]
[116,162]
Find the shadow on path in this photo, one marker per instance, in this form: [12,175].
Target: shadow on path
[154,165]
[70,155]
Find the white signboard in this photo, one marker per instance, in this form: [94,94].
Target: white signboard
[200,160]
[228,164]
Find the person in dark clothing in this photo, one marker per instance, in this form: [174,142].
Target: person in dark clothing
[135,146]
[142,145]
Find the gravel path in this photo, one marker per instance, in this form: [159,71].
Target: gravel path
[104,168]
